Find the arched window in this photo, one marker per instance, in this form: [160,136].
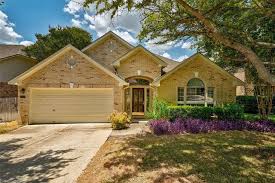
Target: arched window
[138,81]
[195,91]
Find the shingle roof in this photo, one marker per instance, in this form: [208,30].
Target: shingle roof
[171,63]
[10,50]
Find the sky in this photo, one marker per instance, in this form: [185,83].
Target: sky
[20,20]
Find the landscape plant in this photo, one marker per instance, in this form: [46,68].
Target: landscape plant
[189,125]
[119,120]
[159,109]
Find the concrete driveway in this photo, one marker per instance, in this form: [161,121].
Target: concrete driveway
[49,153]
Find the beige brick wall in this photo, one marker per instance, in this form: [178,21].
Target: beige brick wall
[58,75]
[225,91]
[106,54]
[139,61]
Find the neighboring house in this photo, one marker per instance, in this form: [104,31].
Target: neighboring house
[248,87]
[110,74]
[13,61]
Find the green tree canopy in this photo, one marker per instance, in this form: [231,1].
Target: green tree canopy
[240,27]
[57,38]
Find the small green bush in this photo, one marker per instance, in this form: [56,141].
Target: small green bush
[119,120]
[201,112]
[229,112]
[159,110]
[178,112]
[249,103]
[196,112]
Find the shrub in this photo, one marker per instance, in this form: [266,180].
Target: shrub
[161,127]
[249,103]
[201,112]
[119,120]
[196,112]
[178,112]
[229,112]
[159,110]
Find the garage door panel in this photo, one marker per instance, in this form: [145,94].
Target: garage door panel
[71,105]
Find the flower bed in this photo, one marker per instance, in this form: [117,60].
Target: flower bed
[180,125]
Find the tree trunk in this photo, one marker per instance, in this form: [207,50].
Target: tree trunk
[215,35]
[264,94]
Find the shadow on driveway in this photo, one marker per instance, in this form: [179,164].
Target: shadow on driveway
[41,167]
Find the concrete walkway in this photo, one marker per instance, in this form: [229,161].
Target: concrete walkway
[49,153]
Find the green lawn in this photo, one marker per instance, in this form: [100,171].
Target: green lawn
[214,157]
[249,116]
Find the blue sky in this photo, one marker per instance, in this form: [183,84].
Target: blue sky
[20,20]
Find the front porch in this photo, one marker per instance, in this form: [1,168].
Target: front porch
[138,97]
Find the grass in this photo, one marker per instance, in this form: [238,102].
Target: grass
[215,157]
[253,117]
[8,126]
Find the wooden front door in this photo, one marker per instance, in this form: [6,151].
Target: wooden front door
[138,100]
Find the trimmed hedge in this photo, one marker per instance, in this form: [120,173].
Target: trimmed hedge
[229,112]
[196,112]
[250,105]
[226,112]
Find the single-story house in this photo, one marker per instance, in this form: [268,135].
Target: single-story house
[13,61]
[86,85]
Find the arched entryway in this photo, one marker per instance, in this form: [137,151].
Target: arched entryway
[137,96]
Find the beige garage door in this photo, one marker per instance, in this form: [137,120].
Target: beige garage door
[70,105]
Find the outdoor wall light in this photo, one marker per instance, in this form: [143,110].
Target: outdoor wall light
[23,90]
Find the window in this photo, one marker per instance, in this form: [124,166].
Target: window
[195,91]
[210,94]
[138,81]
[148,94]
[180,95]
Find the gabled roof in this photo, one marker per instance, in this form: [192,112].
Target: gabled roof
[106,36]
[171,63]
[20,56]
[10,50]
[135,50]
[190,59]
[52,58]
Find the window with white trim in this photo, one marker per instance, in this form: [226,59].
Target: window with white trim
[195,91]
[210,95]
[180,95]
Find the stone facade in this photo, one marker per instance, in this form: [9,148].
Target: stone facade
[7,90]
[225,89]
[58,75]
[107,52]
[139,64]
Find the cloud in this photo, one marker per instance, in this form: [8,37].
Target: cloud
[126,36]
[7,33]
[186,45]
[124,23]
[26,43]
[76,23]
[181,58]
[74,6]
[167,55]
[158,48]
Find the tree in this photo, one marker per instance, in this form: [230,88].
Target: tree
[57,38]
[171,20]
[237,33]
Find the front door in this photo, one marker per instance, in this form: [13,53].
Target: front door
[138,101]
